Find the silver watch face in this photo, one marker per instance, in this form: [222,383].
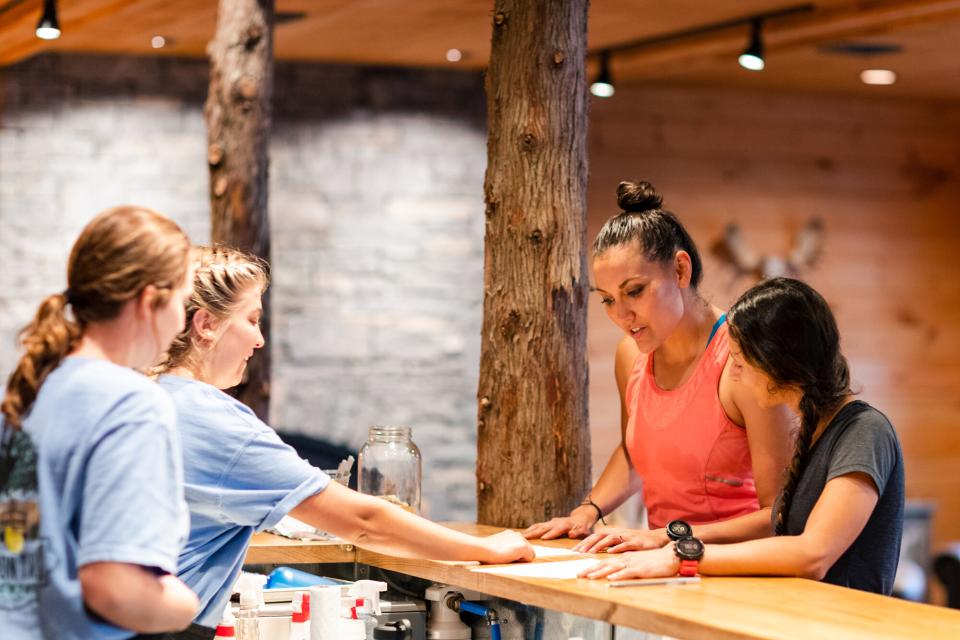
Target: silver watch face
[680,529]
[689,548]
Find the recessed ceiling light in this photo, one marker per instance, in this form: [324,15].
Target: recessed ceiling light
[158,42]
[878,76]
[454,55]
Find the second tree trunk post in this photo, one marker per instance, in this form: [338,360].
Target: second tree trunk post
[533,454]
[238,131]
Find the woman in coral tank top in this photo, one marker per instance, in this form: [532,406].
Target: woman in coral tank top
[702,448]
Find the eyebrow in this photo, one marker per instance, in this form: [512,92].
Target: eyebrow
[621,286]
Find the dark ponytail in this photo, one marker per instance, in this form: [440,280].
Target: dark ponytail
[786,329]
[658,232]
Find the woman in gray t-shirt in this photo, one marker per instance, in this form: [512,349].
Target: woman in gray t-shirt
[839,517]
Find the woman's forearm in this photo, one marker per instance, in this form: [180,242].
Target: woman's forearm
[617,482]
[776,556]
[747,527]
[377,525]
[136,598]
[389,529]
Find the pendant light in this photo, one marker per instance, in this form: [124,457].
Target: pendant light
[49,27]
[752,57]
[602,87]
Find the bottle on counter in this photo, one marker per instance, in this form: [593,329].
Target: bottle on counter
[390,467]
[251,598]
[227,629]
[300,617]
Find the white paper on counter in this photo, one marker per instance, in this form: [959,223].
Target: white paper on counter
[560,570]
[540,551]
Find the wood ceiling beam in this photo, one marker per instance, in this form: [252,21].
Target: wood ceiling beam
[696,52]
[18,40]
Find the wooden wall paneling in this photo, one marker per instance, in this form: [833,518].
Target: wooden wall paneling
[882,176]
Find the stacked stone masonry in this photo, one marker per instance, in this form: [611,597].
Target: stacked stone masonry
[376,212]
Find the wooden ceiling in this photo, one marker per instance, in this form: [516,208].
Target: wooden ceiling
[419,33]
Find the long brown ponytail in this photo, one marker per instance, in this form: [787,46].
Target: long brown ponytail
[119,253]
[786,329]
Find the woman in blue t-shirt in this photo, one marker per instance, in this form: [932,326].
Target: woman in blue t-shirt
[91,493]
[240,477]
[839,517]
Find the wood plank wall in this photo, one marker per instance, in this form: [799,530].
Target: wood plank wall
[882,175]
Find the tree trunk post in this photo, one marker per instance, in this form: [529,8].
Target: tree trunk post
[533,451]
[237,112]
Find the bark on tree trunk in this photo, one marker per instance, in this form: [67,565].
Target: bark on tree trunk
[533,458]
[237,112]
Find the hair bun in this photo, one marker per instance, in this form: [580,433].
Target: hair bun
[638,196]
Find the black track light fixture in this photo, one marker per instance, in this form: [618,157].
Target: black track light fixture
[752,57]
[602,87]
[49,27]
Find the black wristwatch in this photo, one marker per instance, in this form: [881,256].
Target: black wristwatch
[689,550]
[678,529]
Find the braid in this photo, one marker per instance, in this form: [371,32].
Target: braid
[810,418]
[786,329]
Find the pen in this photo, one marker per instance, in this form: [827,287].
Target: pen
[655,581]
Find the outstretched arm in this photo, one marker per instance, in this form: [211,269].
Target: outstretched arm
[377,525]
[837,519]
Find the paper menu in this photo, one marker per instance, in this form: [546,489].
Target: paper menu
[559,570]
[541,551]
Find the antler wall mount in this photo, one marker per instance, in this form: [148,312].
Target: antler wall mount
[733,249]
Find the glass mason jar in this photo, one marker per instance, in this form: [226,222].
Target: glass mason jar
[390,467]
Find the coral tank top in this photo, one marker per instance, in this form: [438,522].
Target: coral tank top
[694,461]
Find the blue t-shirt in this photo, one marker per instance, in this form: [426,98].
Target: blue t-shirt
[96,476]
[239,478]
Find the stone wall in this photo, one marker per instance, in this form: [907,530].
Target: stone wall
[376,212]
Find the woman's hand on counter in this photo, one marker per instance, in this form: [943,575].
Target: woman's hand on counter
[655,563]
[508,546]
[616,540]
[577,525]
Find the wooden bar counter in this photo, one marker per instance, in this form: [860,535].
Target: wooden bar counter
[714,608]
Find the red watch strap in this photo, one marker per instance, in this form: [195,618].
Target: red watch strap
[689,567]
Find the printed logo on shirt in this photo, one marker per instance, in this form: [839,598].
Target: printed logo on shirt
[22,568]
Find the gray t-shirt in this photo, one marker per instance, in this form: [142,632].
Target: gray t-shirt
[859,439]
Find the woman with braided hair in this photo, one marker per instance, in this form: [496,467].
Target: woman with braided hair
[839,517]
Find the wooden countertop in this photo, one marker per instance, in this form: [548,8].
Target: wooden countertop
[716,608]
[268,548]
